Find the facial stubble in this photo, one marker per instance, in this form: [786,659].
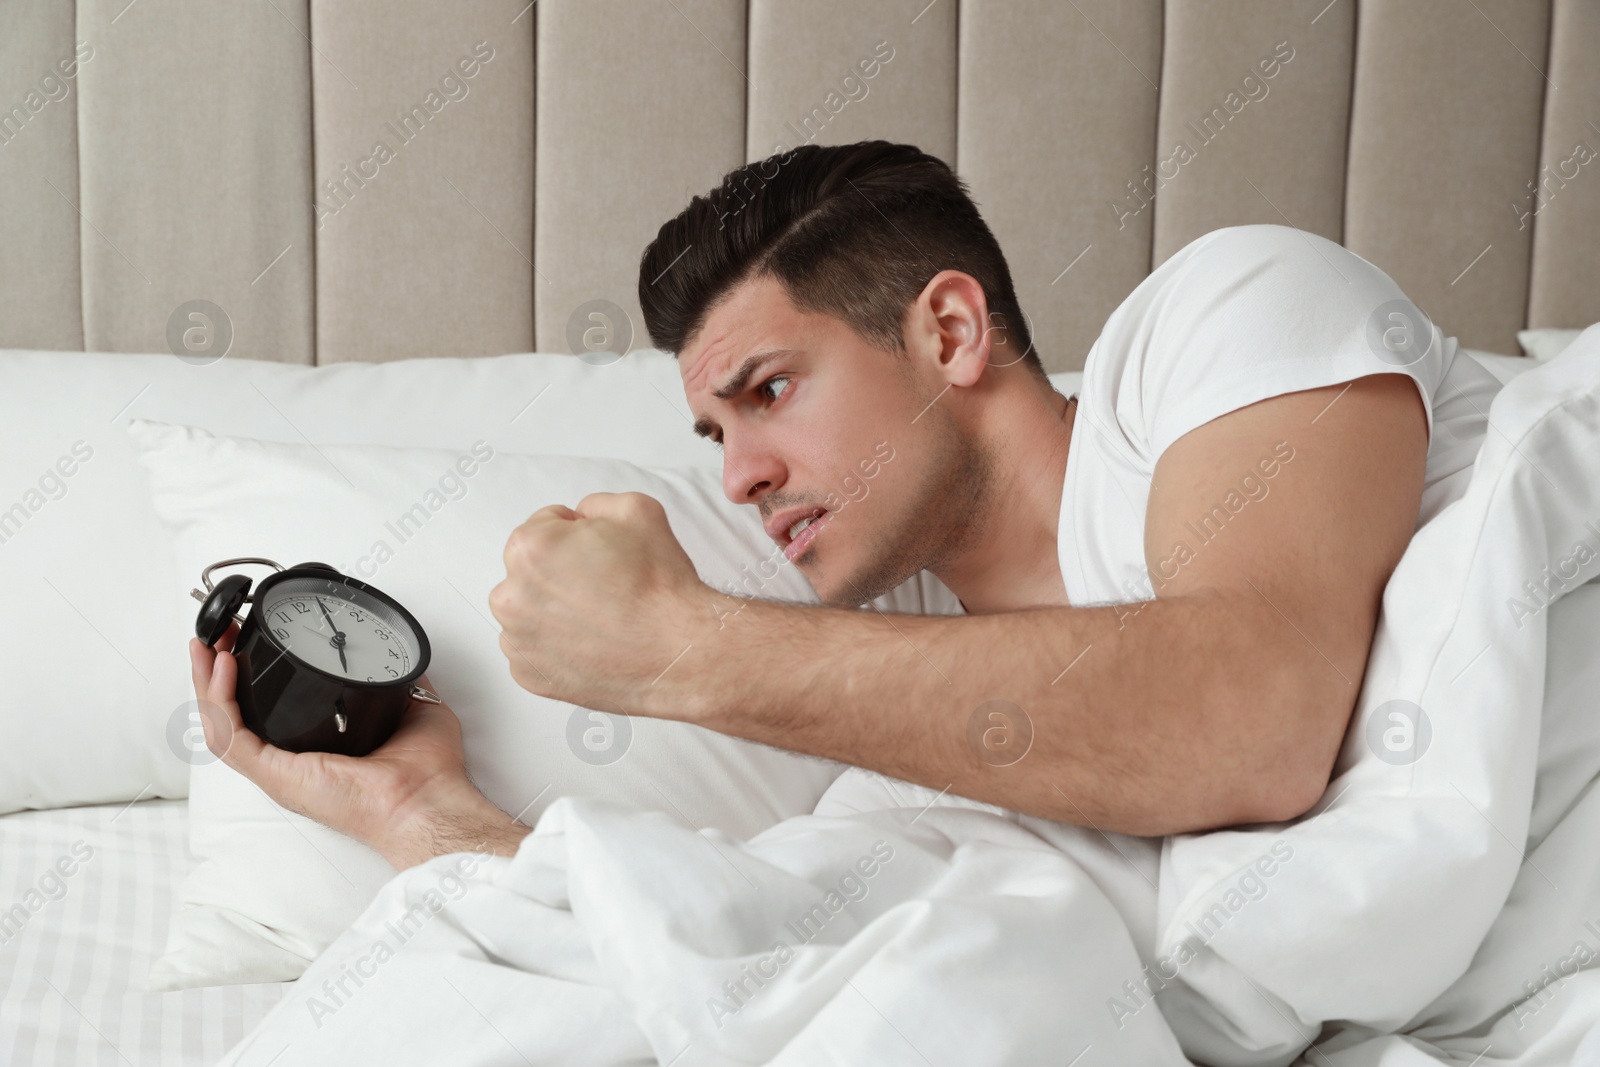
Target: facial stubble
[943,518]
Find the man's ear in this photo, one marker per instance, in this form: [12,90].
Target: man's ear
[949,323]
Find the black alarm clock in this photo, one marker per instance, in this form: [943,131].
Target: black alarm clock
[326,663]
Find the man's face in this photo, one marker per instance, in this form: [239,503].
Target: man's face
[817,423]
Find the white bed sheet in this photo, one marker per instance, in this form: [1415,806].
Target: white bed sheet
[73,967]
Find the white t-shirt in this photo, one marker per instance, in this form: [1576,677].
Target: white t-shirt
[1238,316]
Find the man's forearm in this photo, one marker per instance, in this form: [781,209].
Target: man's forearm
[1180,714]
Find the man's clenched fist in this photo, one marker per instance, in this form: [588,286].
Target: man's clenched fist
[598,602]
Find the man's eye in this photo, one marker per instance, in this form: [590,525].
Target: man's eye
[770,390]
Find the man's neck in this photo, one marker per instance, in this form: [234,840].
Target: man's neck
[1014,562]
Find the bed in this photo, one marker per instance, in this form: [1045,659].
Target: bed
[74,989]
[77,966]
[515,209]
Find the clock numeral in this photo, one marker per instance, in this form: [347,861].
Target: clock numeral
[357,616]
[282,616]
[381,632]
[394,654]
[370,678]
[392,672]
[301,606]
[283,634]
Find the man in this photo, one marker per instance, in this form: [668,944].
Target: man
[1170,581]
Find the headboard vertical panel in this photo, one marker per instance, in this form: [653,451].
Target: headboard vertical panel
[1255,111]
[195,165]
[640,107]
[424,179]
[40,273]
[1052,178]
[1564,205]
[810,80]
[1444,133]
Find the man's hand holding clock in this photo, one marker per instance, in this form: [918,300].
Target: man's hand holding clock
[410,799]
[597,603]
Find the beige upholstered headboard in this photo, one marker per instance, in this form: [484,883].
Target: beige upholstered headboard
[333,177]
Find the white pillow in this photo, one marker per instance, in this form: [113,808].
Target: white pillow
[1547,343]
[87,711]
[88,717]
[272,889]
[1502,367]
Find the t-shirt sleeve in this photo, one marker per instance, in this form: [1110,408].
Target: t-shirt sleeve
[1251,312]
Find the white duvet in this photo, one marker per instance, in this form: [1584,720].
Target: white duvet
[1435,909]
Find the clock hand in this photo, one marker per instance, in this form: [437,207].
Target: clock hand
[338,637]
[337,641]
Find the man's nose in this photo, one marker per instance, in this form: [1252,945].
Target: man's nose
[750,472]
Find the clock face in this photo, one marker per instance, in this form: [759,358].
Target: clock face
[340,630]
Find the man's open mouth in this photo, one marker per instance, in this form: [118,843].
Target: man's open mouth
[802,532]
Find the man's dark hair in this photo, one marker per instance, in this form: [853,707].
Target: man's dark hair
[856,231]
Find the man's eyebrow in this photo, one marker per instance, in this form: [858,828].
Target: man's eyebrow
[741,378]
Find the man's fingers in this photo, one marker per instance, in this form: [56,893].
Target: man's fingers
[200,658]
[618,506]
[552,513]
[216,679]
[542,524]
[421,717]
[226,735]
